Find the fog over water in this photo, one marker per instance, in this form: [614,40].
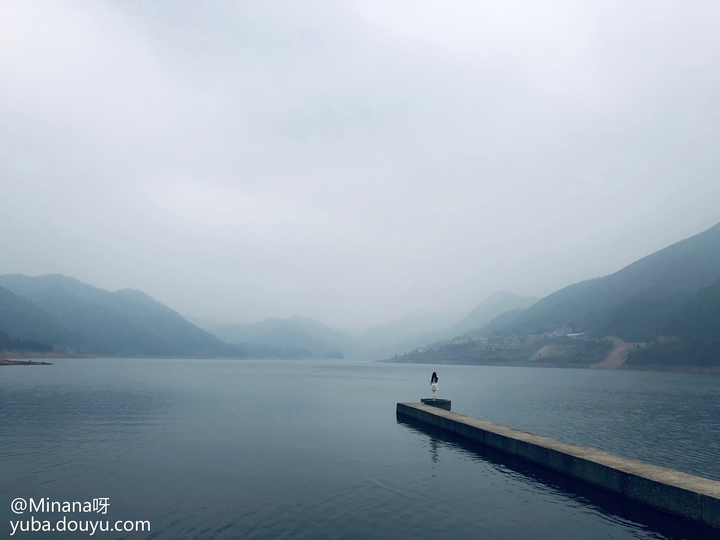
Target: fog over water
[352,161]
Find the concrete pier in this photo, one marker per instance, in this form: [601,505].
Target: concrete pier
[684,495]
[440,403]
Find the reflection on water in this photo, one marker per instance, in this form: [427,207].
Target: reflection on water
[285,449]
[434,455]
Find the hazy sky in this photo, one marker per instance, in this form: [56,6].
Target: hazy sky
[352,161]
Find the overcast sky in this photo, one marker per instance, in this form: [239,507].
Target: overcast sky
[352,160]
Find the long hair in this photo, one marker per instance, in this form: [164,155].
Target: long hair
[434,378]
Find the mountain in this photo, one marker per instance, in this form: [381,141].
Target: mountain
[491,307]
[636,302]
[692,334]
[663,310]
[289,338]
[76,317]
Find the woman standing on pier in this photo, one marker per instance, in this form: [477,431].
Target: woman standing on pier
[433,385]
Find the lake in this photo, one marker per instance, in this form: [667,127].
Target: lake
[312,449]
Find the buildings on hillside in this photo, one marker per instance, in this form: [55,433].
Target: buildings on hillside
[496,343]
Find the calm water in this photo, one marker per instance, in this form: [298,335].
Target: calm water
[284,449]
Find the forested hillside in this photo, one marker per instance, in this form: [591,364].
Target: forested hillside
[691,336]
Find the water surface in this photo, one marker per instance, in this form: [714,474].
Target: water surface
[312,449]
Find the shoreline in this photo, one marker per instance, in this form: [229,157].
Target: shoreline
[4,362]
[38,354]
[567,365]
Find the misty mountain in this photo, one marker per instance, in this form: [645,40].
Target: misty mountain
[291,338]
[635,303]
[404,333]
[276,337]
[76,317]
[419,329]
[280,337]
[496,304]
[501,321]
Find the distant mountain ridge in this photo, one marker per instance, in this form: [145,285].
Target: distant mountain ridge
[277,336]
[493,306]
[403,334]
[286,338]
[75,317]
